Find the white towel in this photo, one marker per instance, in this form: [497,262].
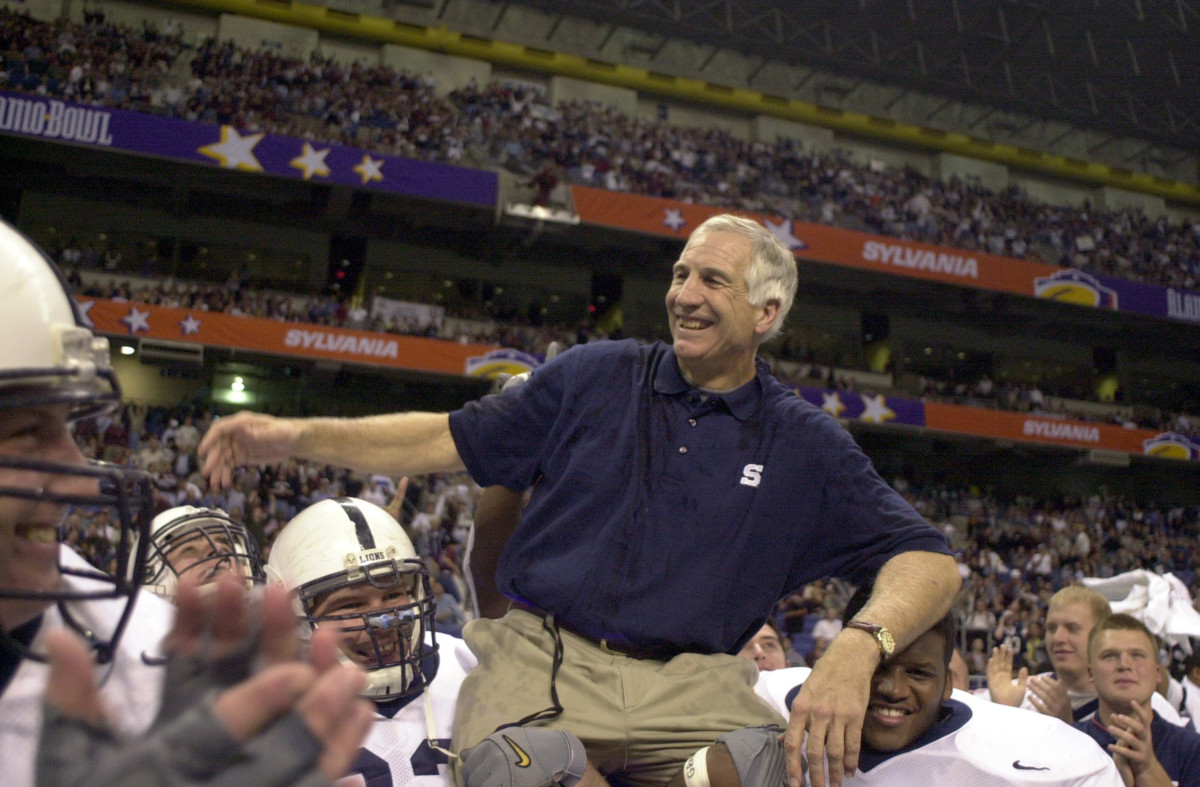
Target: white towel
[1161,602]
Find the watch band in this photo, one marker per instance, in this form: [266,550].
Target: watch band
[883,637]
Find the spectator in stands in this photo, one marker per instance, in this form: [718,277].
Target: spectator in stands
[829,626]
[387,111]
[976,657]
[1066,693]
[766,648]
[1007,633]
[373,493]
[981,622]
[1034,655]
[187,436]
[154,454]
[450,615]
[1123,658]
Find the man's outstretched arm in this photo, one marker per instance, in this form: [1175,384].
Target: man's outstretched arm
[398,444]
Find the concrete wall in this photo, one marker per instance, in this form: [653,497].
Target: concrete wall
[768,129]
[286,40]
[45,10]
[985,173]
[95,217]
[872,154]
[451,73]
[194,25]
[154,385]
[1055,192]
[653,109]
[1115,199]
[348,50]
[567,89]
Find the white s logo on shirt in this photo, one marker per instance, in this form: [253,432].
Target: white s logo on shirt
[752,475]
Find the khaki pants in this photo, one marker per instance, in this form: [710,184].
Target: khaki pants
[639,718]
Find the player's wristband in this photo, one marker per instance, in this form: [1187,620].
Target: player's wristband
[695,770]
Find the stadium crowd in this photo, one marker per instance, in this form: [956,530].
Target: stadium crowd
[513,125]
[479,324]
[1013,554]
[163,441]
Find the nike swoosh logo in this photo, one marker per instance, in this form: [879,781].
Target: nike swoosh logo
[1017,764]
[523,760]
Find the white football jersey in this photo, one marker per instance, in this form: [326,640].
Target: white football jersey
[974,743]
[131,688]
[397,751]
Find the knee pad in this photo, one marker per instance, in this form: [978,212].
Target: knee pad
[758,755]
[525,757]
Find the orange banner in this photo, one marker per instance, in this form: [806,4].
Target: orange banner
[136,320]
[1040,429]
[819,243]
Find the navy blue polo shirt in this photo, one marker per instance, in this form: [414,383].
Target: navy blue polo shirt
[662,516]
[1176,748]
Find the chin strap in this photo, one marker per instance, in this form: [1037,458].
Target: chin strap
[433,736]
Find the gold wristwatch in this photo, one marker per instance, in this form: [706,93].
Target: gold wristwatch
[883,637]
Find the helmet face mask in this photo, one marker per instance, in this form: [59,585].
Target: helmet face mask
[53,371]
[351,568]
[127,493]
[201,543]
[382,629]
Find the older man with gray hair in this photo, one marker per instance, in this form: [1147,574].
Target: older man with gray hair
[679,491]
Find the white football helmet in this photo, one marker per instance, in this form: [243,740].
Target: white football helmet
[203,541]
[49,356]
[350,543]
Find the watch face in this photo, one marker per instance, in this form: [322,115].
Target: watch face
[887,641]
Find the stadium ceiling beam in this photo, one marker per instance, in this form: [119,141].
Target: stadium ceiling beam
[993,51]
[500,16]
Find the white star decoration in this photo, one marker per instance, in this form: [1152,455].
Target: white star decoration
[875,410]
[674,219]
[190,325]
[234,151]
[370,169]
[84,308]
[312,162]
[783,231]
[136,320]
[832,403]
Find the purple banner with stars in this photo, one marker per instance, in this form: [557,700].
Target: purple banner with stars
[866,407]
[230,148]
